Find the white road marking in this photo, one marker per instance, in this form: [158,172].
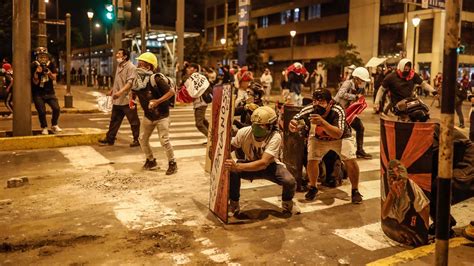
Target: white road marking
[178,154]
[372,139]
[177,143]
[83,156]
[99,119]
[217,256]
[369,189]
[372,149]
[181,259]
[368,165]
[370,236]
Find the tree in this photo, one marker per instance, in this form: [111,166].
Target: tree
[232,41]
[195,50]
[346,57]
[254,58]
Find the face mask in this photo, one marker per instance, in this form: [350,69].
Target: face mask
[405,73]
[119,60]
[362,85]
[258,131]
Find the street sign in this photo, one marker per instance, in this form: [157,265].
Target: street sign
[436,4]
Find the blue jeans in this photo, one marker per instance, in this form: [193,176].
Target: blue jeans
[276,173]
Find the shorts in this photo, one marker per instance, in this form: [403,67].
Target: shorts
[345,148]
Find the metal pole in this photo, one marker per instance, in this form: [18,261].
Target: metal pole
[143,23]
[68,96]
[89,78]
[22,74]
[292,49]
[42,35]
[57,18]
[106,34]
[405,27]
[414,49]
[226,21]
[445,163]
[180,33]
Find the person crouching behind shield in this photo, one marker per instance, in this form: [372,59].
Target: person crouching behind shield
[260,143]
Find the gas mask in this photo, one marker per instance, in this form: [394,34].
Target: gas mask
[259,131]
[405,73]
[318,109]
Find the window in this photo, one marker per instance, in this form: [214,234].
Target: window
[274,19]
[335,8]
[388,7]
[296,15]
[276,42]
[263,22]
[210,36]
[285,17]
[467,37]
[314,11]
[219,32]
[468,5]
[220,11]
[425,40]
[390,39]
[231,7]
[210,13]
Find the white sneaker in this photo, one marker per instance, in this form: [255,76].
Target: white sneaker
[45,131]
[56,129]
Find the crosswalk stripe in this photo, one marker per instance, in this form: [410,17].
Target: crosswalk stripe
[99,119]
[368,165]
[177,143]
[372,149]
[372,139]
[84,156]
[370,190]
[178,154]
[172,130]
[372,238]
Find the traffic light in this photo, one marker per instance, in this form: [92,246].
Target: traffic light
[109,15]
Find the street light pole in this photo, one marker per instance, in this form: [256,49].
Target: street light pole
[68,96]
[42,35]
[416,21]
[292,34]
[90,15]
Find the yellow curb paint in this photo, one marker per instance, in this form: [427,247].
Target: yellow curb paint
[83,137]
[409,255]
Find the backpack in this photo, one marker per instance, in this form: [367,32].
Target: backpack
[169,81]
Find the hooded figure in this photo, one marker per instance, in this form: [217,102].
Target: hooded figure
[401,84]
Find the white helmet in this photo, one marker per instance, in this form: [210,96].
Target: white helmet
[361,73]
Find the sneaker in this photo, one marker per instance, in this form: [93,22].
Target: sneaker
[150,165]
[468,232]
[56,129]
[45,131]
[135,143]
[362,154]
[234,207]
[356,197]
[105,142]
[311,194]
[288,206]
[172,168]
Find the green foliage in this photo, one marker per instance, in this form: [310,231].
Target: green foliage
[195,50]
[347,56]
[254,58]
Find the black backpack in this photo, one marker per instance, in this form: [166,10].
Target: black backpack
[207,95]
[170,82]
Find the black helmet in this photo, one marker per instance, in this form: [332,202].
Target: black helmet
[42,51]
[322,94]
[413,108]
[257,89]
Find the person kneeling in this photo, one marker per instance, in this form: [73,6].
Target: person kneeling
[261,143]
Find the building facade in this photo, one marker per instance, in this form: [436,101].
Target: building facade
[376,27]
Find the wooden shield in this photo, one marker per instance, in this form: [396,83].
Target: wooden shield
[406,155]
[293,145]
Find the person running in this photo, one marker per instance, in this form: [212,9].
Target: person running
[401,84]
[261,143]
[124,79]
[331,133]
[43,75]
[154,93]
[350,91]
[198,82]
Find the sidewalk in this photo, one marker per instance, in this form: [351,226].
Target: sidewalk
[84,98]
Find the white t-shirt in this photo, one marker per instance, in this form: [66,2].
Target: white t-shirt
[253,149]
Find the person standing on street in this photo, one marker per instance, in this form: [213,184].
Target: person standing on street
[266,79]
[350,91]
[43,76]
[7,73]
[124,78]
[295,76]
[195,80]
[461,95]
[331,132]
[154,93]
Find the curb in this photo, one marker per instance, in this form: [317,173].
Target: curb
[84,136]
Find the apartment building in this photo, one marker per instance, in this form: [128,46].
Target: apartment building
[376,27]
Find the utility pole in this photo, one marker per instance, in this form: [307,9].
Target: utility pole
[42,35]
[226,21]
[143,22]
[22,74]
[445,163]
[68,96]
[180,34]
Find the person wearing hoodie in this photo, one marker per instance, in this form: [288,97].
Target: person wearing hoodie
[153,93]
[401,84]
